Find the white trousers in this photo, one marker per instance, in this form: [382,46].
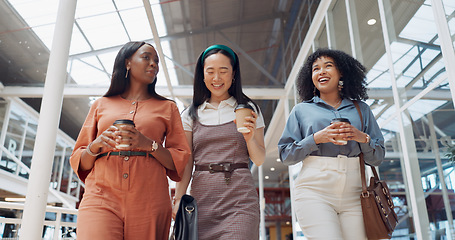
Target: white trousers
[328,198]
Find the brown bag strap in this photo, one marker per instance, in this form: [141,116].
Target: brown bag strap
[362,161]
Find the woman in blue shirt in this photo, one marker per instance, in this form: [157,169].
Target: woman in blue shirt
[328,186]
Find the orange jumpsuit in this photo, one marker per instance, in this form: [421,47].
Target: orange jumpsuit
[128,197]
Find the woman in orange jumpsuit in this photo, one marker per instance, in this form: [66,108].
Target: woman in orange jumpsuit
[126,189]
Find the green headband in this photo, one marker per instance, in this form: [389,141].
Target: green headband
[223,47]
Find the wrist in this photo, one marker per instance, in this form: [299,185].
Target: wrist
[315,139]
[89,151]
[174,200]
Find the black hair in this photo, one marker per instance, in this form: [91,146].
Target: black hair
[119,83]
[201,93]
[352,71]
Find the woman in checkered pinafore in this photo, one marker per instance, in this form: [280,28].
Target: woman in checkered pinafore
[228,203]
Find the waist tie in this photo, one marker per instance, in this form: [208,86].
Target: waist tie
[124,153]
[339,163]
[227,168]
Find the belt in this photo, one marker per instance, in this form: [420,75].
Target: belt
[227,168]
[124,153]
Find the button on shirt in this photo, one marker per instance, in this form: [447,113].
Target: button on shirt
[309,117]
[211,115]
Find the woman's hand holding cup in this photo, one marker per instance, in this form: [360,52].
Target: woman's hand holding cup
[340,124]
[337,133]
[104,142]
[245,119]
[124,134]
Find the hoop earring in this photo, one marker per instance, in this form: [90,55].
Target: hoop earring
[126,75]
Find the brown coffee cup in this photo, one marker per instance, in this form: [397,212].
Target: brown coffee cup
[340,139]
[120,123]
[242,111]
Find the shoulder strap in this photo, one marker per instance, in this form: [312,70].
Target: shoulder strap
[360,113]
[362,161]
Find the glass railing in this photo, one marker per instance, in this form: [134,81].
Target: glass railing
[65,188]
[59,223]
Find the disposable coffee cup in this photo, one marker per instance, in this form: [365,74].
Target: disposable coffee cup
[242,111]
[340,139]
[120,123]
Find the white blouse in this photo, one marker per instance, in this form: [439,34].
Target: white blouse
[212,115]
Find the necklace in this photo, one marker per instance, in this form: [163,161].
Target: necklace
[337,104]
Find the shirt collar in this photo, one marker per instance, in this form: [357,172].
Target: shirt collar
[230,101]
[317,99]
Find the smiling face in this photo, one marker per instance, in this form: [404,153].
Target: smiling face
[218,75]
[143,65]
[326,75]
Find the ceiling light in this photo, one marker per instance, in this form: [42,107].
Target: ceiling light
[287,222]
[278,160]
[371,21]
[272,169]
[266,177]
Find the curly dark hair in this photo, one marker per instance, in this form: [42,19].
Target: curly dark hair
[353,73]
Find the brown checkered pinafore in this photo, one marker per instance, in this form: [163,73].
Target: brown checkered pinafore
[225,211]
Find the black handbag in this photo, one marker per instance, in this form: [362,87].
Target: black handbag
[185,225]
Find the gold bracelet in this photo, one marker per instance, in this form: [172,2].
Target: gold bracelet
[90,151]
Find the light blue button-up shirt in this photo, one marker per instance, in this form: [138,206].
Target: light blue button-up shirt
[311,116]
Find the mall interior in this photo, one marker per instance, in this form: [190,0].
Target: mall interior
[56,58]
